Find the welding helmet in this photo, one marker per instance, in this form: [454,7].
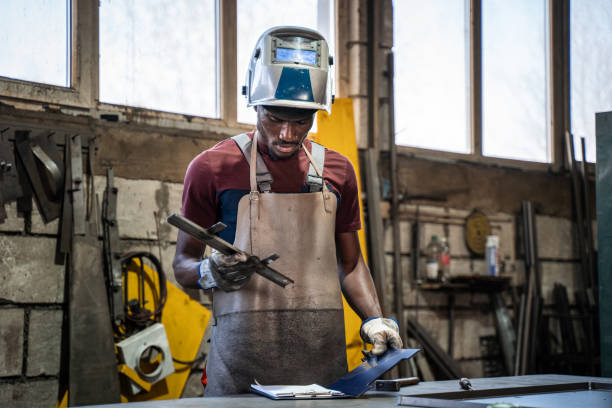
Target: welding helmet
[290,67]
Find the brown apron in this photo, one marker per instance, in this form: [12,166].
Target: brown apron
[274,335]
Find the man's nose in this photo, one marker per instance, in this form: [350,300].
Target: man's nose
[287,133]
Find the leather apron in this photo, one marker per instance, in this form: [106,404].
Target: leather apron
[274,335]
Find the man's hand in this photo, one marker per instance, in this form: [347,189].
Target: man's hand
[228,272]
[382,333]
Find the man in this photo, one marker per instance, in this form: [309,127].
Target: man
[280,193]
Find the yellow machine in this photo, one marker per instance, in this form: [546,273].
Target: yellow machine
[184,321]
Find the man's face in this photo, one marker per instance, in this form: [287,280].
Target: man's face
[283,130]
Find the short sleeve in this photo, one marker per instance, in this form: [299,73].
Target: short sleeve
[348,216]
[199,202]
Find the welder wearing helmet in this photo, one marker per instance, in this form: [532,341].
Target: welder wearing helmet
[278,192]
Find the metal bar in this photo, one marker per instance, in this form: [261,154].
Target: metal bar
[76,169]
[375,227]
[520,338]
[226,248]
[578,208]
[64,231]
[505,331]
[444,362]
[112,248]
[393,170]
[520,390]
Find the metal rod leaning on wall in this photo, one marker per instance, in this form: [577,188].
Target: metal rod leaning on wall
[398,283]
[530,313]
[374,218]
[578,207]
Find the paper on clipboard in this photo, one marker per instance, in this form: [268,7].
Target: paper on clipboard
[312,391]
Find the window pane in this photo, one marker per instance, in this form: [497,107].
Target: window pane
[35,41]
[515,79]
[255,17]
[591,68]
[159,54]
[431,74]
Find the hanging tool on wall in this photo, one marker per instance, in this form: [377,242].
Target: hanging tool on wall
[10,189]
[112,250]
[44,168]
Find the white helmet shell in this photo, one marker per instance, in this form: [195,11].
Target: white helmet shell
[290,67]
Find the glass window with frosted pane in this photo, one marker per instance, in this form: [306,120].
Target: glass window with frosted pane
[35,41]
[515,79]
[159,54]
[431,74]
[255,17]
[590,68]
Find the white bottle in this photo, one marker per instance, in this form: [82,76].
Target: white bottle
[492,255]
[433,252]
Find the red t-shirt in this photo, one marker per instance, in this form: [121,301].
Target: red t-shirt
[217,178]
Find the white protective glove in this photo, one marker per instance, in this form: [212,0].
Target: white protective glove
[226,272]
[381,333]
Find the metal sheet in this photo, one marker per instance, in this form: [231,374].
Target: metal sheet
[603,130]
[361,378]
[93,377]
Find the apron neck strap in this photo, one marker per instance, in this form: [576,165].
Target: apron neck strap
[253,169]
[316,167]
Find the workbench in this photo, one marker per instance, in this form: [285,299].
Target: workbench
[371,399]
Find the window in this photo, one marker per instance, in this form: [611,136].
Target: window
[433,66]
[515,79]
[159,54]
[254,17]
[431,74]
[35,38]
[590,68]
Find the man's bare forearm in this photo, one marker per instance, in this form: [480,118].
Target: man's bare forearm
[355,278]
[359,290]
[187,260]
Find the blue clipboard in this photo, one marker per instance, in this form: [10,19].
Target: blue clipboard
[353,384]
[360,380]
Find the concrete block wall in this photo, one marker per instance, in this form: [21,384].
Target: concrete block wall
[557,254]
[32,286]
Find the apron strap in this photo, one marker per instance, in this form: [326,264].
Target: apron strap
[264,178]
[324,189]
[314,179]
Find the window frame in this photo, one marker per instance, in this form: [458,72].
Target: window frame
[83,67]
[82,95]
[558,94]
